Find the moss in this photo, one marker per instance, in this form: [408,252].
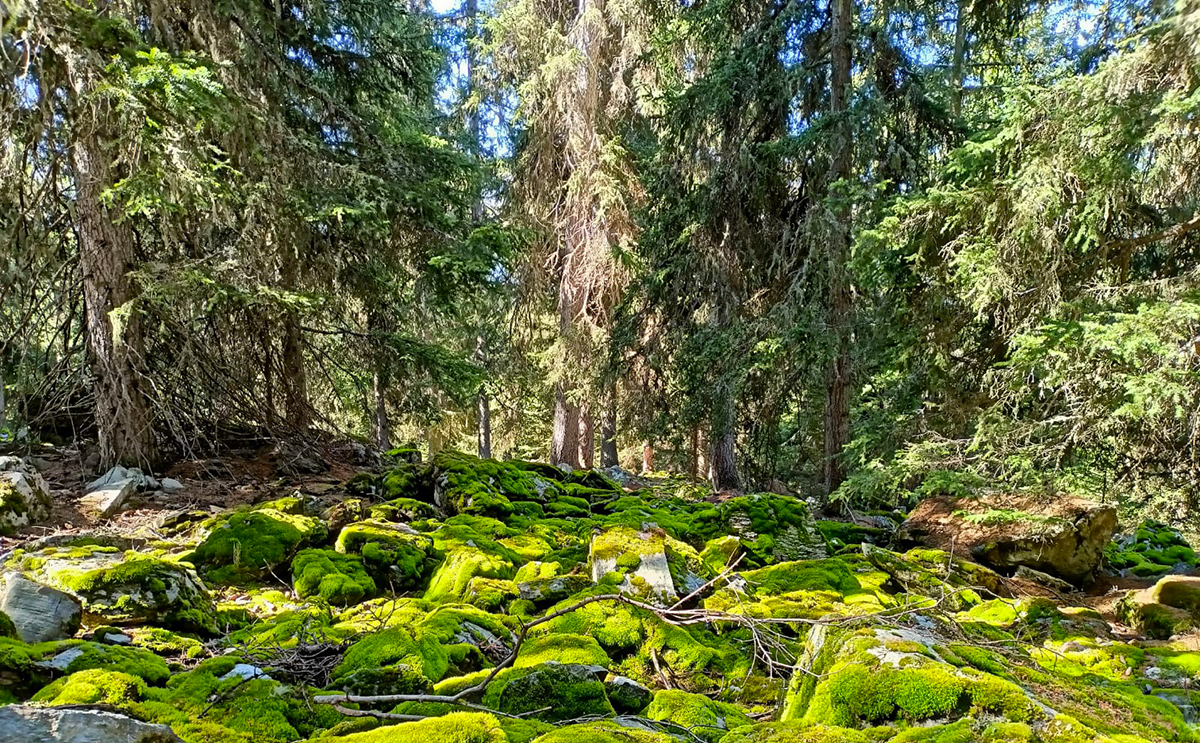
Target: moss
[1007,732]
[393,556]
[491,594]
[832,575]
[402,510]
[562,648]
[616,627]
[549,692]
[165,642]
[602,732]
[794,732]
[337,579]
[7,628]
[131,661]
[703,717]
[997,611]
[453,577]
[244,546]
[393,647]
[94,686]
[137,589]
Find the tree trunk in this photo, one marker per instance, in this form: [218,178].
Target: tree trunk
[483,424]
[837,387]
[587,437]
[694,456]
[956,62]
[647,457]
[113,324]
[723,458]
[382,422]
[564,448]
[294,375]
[608,429]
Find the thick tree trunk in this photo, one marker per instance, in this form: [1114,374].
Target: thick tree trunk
[694,456]
[723,469]
[294,375]
[587,437]
[382,422]
[113,324]
[564,448]
[837,387]
[956,61]
[608,430]
[647,457]
[483,423]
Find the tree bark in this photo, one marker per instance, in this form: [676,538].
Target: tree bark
[587,437]
[380,381]
[608,430]
[113,323]
[294,376]
[837,388]
[956,62]
[483,418]
[564,447]
[647,457]
[723,455]
[483,424]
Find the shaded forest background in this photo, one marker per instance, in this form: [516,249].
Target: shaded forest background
[867,250]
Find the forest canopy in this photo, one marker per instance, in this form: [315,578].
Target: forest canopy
[866,251]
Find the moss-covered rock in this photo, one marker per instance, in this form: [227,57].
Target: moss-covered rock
[126,588]
[1151,550]
[24,499]
[244,546]
[549,692]
[72,656]
[335,578]
[1170,607]
[94,686]
[452,579]
[603,732]
[703,717]
[464,484]
[406,653]
[456,727]
[771,528]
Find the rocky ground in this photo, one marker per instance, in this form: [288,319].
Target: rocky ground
[271,599]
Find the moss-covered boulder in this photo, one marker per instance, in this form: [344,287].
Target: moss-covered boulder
[24,499]
[604,732]
[771,528]
[452,579]
[1151,550]
[1169,607]
[397,556]
[126,588]
[247,545]
[627,696]
[1059,535]
[395,661]
[550,692]
[703,717]
[456,727]
[403,511]
[463,484]
[806,589]
[879,676]
[72,656]
[94,686]
[956,583]
[338,579]
[653,565]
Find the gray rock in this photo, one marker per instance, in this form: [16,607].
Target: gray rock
[170,485]
[9,463]
[552,590]
[63,660]
[1043,579]
[245,671]
[60,725]
[111,498]
[40,613]
[627,696]
[24,499]
[116,474]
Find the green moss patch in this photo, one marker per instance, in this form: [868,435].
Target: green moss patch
[335,578]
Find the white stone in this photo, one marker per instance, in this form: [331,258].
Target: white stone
[171,485]
[111,498]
